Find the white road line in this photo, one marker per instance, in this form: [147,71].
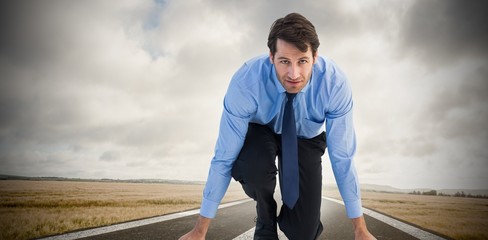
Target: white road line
[409,229]
[133,224]
[249,234]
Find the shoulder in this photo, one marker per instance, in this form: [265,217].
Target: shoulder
[258,61]
[327,70]
[327,67]
[252,71]
[243,90]
[248,79]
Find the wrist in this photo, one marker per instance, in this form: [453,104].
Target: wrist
[359,225]
[201,227]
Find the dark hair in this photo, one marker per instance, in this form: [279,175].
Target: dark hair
[295,29]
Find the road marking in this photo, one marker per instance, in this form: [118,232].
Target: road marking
[414,231]
[249,235]
[409,229]
[133,224]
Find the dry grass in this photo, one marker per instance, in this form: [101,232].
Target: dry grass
[458,218]
[32,209]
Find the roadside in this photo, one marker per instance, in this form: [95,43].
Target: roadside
[457,218]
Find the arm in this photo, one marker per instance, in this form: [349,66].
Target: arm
[238,108]
[341,143]
[219,175]
[348,184]
[233,127]
[341,140]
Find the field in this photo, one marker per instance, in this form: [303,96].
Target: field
[31,209]
[458,218]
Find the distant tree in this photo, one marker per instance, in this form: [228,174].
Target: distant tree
[469,195]
[431,192]
[460,194]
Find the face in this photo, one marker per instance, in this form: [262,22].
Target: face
[293,67]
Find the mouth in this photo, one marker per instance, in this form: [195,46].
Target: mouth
[293,81]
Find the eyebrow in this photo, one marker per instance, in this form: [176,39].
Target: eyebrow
[301,58]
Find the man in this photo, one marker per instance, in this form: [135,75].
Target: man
[276,106]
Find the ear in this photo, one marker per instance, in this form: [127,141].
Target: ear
[271,57]
[315,56]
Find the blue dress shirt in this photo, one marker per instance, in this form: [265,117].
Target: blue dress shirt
[256,95]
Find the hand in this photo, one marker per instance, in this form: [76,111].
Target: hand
[363,235]
[360,230]
[193,235]
[199,231]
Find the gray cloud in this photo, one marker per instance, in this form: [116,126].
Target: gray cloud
[135,89]
[466,103]
[441,32]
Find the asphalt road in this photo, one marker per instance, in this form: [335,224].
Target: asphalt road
[237,221]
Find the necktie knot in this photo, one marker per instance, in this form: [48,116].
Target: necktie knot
[290,96]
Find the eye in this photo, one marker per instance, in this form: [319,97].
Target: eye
[284,61]
[303,61]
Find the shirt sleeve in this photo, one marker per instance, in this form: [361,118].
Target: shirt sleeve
[341,142]
[238,109]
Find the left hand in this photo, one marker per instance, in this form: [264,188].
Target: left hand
[360,230]
[363,235]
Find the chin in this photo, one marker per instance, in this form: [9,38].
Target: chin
[293,90]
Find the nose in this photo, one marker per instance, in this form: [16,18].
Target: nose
[293,71]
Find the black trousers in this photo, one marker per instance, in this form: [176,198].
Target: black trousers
[256,170]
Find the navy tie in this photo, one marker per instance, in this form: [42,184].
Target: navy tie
[290,181]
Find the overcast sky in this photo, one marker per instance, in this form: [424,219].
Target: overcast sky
[134,89]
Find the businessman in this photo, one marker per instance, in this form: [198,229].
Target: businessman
[278,106]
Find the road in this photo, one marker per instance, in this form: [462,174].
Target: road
[235,221]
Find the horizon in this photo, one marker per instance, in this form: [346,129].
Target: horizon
[175,181]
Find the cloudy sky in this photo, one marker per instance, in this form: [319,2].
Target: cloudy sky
[134,89]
